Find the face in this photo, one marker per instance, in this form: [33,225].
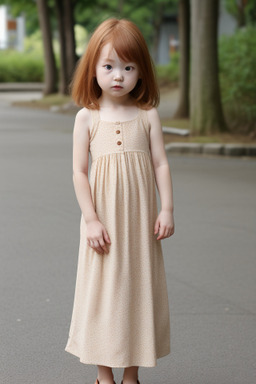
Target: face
[115,77]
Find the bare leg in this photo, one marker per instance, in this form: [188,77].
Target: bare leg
[130,375]
[105,375]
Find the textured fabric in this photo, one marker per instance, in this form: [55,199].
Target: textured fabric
[121,314]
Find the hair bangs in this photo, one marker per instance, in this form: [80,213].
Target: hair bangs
[125,46]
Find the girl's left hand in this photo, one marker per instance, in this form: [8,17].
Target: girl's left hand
[164,225]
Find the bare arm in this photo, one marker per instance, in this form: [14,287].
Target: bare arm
[80,165]
[165,222]
[96,232]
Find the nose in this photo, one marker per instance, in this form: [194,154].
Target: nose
[118,77]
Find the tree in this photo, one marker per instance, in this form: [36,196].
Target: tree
[157,22]
[206,114]
[148,15]
[244,11]
[50,64]
[64,10]
[31,10]
[184,40]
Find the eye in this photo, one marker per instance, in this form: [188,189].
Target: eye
[108,67]
[129,68]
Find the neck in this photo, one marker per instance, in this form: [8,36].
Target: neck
[107,101]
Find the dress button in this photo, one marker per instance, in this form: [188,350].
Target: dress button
[117,131]
[119,142]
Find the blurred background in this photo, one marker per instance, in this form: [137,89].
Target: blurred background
[204,54]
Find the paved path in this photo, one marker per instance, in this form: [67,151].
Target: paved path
[210,261]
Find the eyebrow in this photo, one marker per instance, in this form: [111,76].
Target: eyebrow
[108,59]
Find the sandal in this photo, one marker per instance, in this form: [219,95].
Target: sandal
[97,382]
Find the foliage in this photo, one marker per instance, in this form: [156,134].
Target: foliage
[237,58]
[248,9]
[21,67]
[141,12]
[167,74]
[81,37]
[34,43]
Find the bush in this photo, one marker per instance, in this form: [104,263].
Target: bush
[237,58]
[168,74]
[20,67]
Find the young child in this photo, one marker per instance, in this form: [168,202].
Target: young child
[120,315]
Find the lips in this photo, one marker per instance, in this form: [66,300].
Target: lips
[117,87]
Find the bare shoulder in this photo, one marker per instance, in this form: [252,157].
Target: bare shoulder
[154,119]
[82,122]
[153,113]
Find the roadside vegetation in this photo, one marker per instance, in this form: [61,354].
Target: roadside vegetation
[237,71]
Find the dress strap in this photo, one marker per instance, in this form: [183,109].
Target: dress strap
[144,117]
[95,123]
[95,116]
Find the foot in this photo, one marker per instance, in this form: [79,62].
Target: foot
[130,382]
[110,381]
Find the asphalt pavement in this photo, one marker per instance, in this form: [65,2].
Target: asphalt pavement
[210,261]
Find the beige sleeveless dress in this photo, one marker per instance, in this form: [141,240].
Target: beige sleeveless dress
[121,314]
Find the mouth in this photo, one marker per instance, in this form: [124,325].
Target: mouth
[117,87]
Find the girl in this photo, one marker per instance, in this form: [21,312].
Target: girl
[120,314]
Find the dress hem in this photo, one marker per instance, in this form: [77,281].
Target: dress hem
[106,364]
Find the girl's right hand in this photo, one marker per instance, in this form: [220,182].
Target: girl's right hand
[97,237]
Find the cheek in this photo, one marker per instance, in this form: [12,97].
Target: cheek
[135,78]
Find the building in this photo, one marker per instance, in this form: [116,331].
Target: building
[169,34]
[12,30]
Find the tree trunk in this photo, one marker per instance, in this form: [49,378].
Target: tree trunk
[206,114]
[184,37]
[67,43]
[62,42]
[241,13]
[70,37]
[157,29]
[50,69]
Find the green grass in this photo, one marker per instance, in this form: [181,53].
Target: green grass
[46,102]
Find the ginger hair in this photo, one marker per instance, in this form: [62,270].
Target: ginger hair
[129,44]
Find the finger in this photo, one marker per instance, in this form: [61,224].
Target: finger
[106,236]
[167,232]
[171,231]
[103,245]
[161,233]
[156,228]
[98,247]
[90,243]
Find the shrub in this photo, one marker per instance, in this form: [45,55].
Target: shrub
[168,74]
[20,67]
[237,58]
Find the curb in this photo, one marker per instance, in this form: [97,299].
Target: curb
[229,149]
[21,87]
